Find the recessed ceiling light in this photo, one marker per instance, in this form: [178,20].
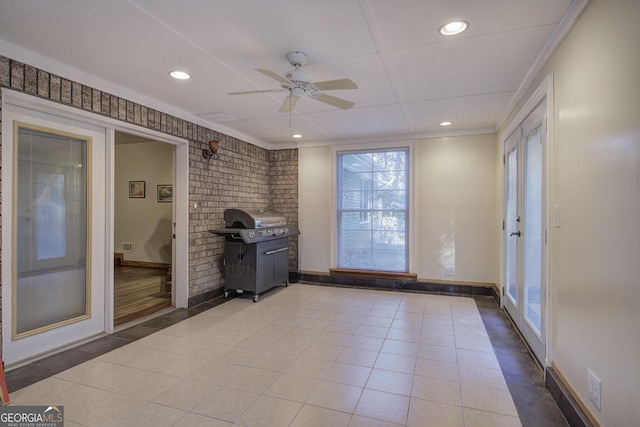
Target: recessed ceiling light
[296,135]
[453,28]
[180,75]
[446,123]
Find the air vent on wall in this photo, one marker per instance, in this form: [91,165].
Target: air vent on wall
[127,247]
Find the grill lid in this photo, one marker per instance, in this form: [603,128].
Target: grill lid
[253,218]
[255,225]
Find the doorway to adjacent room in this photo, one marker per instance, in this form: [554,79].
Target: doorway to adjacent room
[143,227]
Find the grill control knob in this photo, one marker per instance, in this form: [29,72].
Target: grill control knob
[251,234]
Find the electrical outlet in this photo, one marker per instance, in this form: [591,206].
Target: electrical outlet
[594,388]
[449,270]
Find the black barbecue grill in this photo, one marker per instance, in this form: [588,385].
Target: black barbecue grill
[256,250]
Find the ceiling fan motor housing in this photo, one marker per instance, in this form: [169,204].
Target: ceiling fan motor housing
[297,58]
[298,76]
[301,82]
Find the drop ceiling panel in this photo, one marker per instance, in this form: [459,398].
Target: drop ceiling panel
[466,112]
[494,63]
[137,59]
[277,129]
[201,99]
[254,30]
[387,119]
[408,75]
[414,23]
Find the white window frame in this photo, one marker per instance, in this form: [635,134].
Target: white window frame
[411,196]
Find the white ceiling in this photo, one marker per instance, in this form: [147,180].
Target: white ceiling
[409,76]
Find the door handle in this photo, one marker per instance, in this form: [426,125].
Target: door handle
[275,251]
[515,233]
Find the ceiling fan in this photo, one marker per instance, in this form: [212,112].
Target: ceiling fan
[298,83]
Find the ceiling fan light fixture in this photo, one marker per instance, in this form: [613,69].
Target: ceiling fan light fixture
[297,92]
[453,28]
[180,75]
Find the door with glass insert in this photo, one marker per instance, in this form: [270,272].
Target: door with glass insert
[56,218]
[525,234]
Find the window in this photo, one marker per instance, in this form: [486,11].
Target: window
[373,209]
[51,285]
[365,200]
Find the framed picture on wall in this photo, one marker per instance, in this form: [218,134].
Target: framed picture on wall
[165,193]
[137,189]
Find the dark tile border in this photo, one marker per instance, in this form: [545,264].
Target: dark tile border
[523,375]
[437,288]
[565,400]
[201,298]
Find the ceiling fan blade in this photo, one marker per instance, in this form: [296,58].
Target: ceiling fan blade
[288,104]
[335,101]
[275,76]
[336,84]
[256,91]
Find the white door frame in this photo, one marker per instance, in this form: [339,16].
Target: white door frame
[91,323]
[544,92]
[180,280]
[180,245]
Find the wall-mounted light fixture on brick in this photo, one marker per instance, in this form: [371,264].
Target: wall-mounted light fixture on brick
[211,152]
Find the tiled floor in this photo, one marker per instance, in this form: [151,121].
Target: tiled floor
[306,356]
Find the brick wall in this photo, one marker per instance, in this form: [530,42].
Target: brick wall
[244,175]
[238,178]
[283,189]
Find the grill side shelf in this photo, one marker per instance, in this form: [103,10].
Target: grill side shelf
[255,235]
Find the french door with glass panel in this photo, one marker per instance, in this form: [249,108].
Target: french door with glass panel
[53,233]
[525,232]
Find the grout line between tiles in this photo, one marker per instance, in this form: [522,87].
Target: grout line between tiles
[386,301]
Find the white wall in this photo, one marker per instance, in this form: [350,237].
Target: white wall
[455,201]
[595,265]
[144,222]
[456,208]
[314,209]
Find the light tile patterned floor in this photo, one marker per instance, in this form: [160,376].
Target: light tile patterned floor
[302,356]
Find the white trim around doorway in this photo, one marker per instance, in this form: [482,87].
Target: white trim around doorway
[181,188]
[544,90]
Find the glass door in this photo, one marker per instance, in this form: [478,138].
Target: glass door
[512,220]
[53,216]
[525,232]
[50,285]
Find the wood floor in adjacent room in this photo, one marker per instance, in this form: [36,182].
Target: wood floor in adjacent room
[138,292]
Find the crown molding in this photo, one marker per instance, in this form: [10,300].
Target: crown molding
[560,32]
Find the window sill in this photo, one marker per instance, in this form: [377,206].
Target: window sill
[374,274]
